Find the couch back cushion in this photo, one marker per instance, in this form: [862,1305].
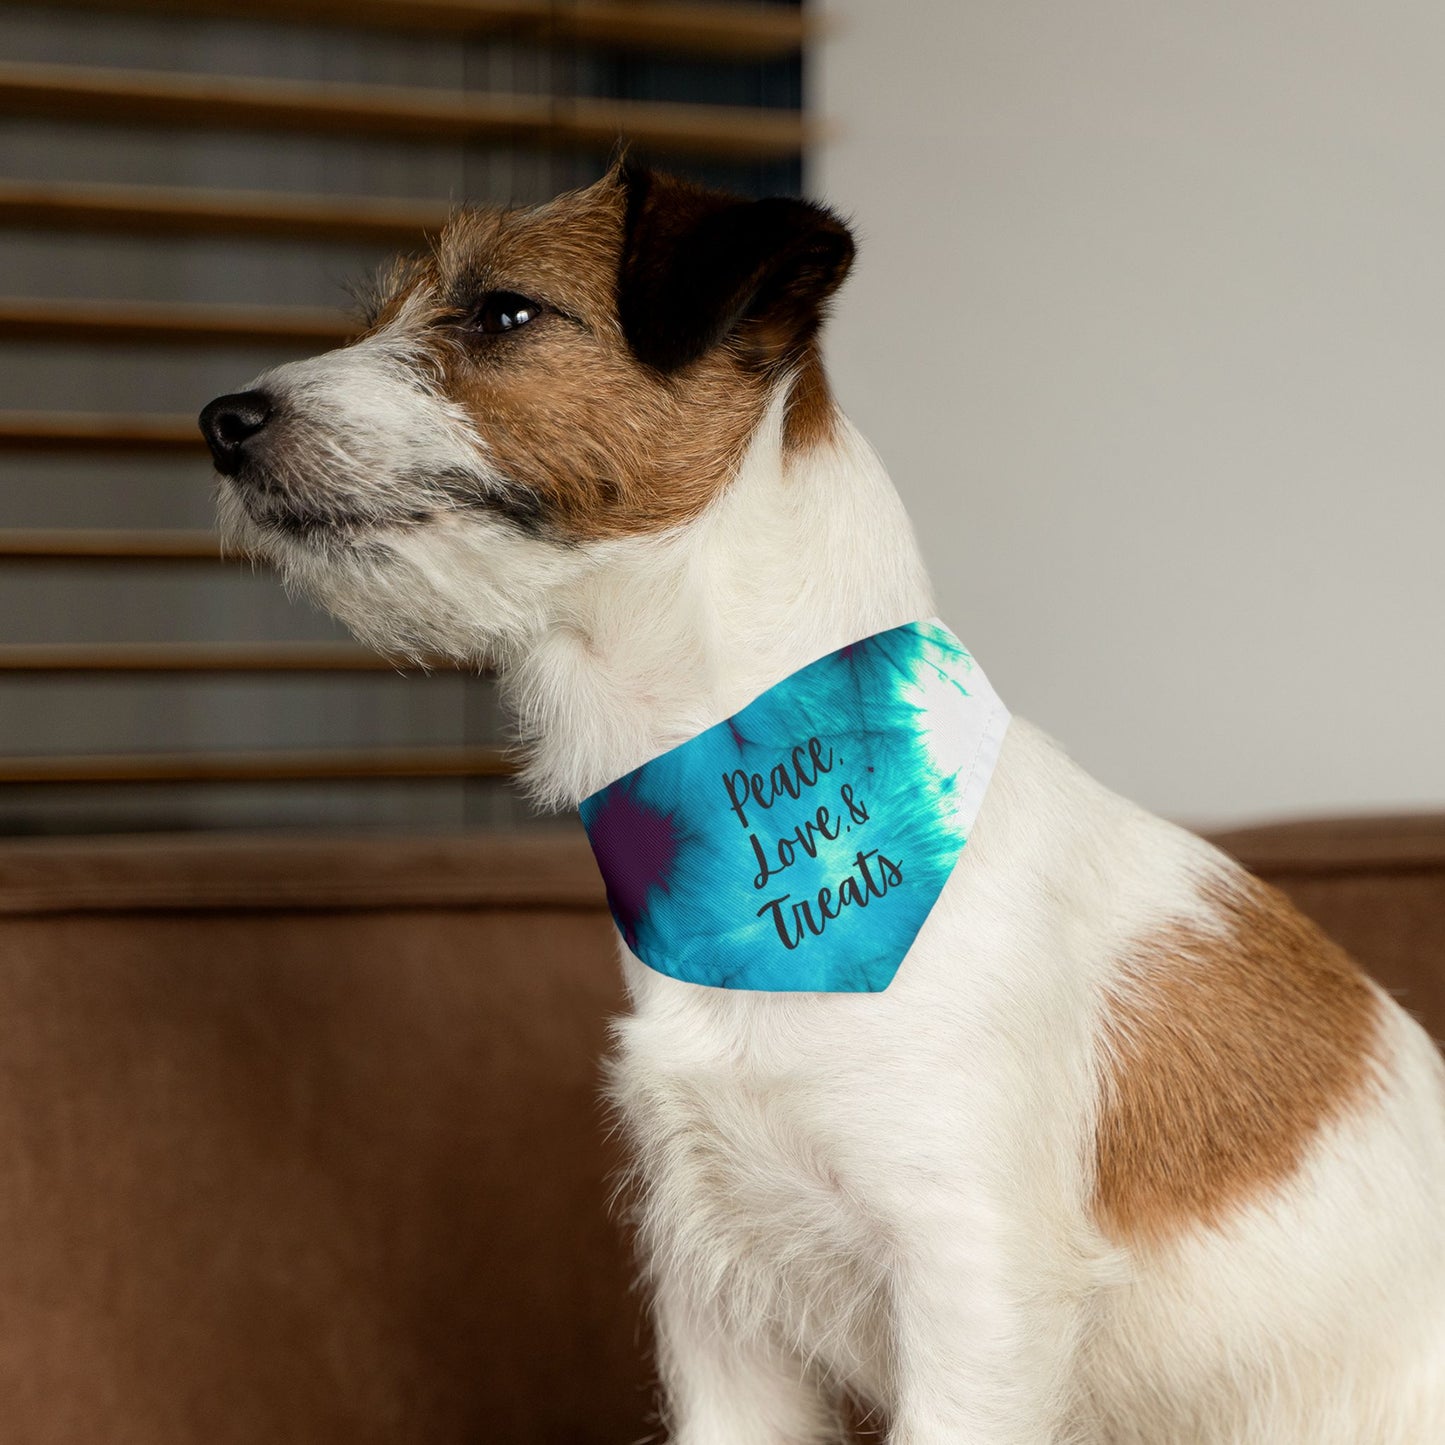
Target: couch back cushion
[302,1142]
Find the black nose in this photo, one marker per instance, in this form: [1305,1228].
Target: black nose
[229,422]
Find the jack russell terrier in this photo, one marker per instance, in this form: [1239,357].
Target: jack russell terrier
[956,1086]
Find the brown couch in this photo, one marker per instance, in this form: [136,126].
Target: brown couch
[302,1141]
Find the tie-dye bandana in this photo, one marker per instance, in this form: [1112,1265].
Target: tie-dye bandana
[800,844]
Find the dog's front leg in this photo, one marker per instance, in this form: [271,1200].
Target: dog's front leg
[723,1387]
[984,1340]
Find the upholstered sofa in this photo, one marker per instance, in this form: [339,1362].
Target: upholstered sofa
[300,1138]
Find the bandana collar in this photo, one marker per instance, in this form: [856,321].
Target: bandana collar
[799,845]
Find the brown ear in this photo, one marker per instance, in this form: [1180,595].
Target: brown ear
[699,266]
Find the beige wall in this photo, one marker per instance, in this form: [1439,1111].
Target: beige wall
[1149,323]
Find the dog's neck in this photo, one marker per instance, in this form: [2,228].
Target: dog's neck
[801,555]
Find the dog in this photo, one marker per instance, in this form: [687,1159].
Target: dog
[1127,1153]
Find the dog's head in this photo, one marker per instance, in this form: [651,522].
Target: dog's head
[544,383]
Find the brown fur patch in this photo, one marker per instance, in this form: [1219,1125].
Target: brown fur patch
[812,415]
[1227,1052]
[605,445]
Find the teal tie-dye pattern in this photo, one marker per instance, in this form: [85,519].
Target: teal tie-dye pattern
[799,845]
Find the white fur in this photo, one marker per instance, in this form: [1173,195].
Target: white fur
[889,1194]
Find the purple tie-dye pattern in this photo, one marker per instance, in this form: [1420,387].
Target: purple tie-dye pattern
[637,848]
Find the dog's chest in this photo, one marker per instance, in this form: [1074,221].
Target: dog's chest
[748,1181]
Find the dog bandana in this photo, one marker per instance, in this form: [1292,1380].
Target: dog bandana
[800,844]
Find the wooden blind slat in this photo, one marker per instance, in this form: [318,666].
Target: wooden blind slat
[77,431]
[98,432]
[83,544]
[186,657]
[329,765]
[218,102]
[755,32]
[171,323]
[172,211]
[762,32]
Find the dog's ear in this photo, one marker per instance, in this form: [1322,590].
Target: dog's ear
[699,266]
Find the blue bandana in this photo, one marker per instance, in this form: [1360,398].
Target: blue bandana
[800,844]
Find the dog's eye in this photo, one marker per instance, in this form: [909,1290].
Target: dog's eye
[504,311]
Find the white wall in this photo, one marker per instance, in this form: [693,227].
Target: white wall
[1149,324]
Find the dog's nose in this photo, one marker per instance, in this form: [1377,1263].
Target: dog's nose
[229,422]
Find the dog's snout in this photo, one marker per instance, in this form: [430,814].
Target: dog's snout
[229,422]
